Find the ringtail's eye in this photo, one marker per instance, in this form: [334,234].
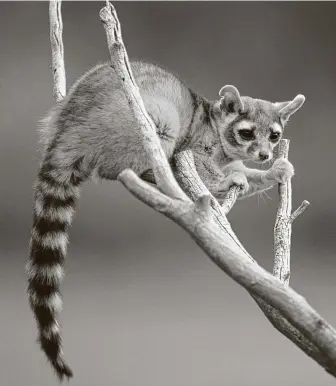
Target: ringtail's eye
[274,136]
[246,134]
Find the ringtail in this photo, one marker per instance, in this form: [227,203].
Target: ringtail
[92,132]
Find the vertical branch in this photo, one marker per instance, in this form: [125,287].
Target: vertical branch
[283,223]
[57,50]
[283,227]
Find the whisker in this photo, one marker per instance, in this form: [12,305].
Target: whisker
[262,197]
[264,193]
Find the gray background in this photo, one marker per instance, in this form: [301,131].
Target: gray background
[143,304]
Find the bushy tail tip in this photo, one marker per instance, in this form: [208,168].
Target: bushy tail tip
[62,370]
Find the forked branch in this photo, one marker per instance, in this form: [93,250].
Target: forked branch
[185,167]
[206,222]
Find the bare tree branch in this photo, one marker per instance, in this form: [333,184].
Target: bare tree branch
[120,63]
[283,227]
[283,223]
[230,199]
[304,205]
[57,50]
[252,277]
[213,233]
[193,185]
[145,192]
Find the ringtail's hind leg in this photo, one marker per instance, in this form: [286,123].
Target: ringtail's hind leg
[132,155]
[128,149]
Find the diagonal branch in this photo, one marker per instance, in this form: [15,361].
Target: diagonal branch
[211,230]
[304,205]
[186,167]
[120,63]
[255,279]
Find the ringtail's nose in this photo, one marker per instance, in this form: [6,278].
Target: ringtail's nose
[263,155]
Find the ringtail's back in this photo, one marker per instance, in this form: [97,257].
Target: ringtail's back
[94,120]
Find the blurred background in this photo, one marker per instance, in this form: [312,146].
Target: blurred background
[143,305]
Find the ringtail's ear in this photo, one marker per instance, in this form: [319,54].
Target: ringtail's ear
[230,101]
[286,109]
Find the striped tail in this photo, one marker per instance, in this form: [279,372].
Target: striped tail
[56,191]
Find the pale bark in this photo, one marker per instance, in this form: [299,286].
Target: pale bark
[283,223]
[57,50]
[205,221]
[162,171]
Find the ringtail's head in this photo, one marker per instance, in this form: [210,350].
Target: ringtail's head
[250,128]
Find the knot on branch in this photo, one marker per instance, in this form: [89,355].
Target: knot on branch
[230,199]
[105,14]
[203,207]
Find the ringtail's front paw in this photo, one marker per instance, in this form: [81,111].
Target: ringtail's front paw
[281,171]
[235,179]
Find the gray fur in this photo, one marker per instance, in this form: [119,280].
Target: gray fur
[92,132]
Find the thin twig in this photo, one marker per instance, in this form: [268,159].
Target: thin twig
[57,50]
[304,205]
